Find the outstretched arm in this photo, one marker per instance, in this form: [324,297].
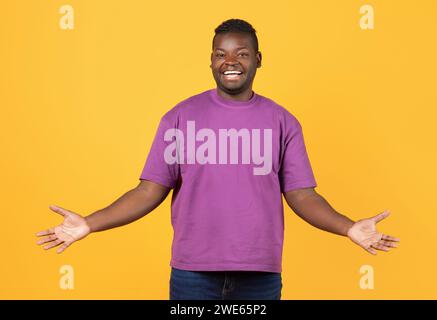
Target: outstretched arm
[314,209]
[131,206]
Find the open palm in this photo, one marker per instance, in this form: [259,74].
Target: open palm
[364,233]
[73,228]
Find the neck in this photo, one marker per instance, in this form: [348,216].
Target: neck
[242,96]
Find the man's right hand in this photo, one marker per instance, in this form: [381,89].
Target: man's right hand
[73,228]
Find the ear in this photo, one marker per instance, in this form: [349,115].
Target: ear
[259,59]
[212,53]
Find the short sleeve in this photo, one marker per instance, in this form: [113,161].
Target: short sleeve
[295,171]
[156,169]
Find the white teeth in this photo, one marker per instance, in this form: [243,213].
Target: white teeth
[232,72]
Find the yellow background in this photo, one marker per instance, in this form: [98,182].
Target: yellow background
[79,110]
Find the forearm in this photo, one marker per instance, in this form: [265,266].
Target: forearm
[131,206]
[315,210]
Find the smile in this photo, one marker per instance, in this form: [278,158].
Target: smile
[232,75]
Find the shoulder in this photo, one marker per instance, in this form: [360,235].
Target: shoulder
[283,115]
[187,105]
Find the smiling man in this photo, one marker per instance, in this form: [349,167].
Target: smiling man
[228,221]
[234,77]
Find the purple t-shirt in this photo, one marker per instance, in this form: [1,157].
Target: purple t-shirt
[229,163]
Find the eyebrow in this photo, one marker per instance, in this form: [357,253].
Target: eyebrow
[239,48]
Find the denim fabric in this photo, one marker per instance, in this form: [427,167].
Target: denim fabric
[224,285]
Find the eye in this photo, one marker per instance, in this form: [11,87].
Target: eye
[219,55]
[243,54]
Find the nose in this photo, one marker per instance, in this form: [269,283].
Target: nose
[231,61]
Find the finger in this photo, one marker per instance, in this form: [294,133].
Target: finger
[48,239]
[390,238]
[370,250]
[388,243]
[63,212]
[63,247]
[46,232]
[380,247]
[53,244]
[381,216]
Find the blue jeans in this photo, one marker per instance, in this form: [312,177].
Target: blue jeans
[224,285]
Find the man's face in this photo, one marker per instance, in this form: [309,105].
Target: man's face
[234,52]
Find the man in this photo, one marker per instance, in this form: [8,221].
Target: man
[229,154]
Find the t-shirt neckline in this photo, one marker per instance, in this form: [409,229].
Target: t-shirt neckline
[233,104]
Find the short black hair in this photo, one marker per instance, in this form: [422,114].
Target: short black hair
[238,26]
